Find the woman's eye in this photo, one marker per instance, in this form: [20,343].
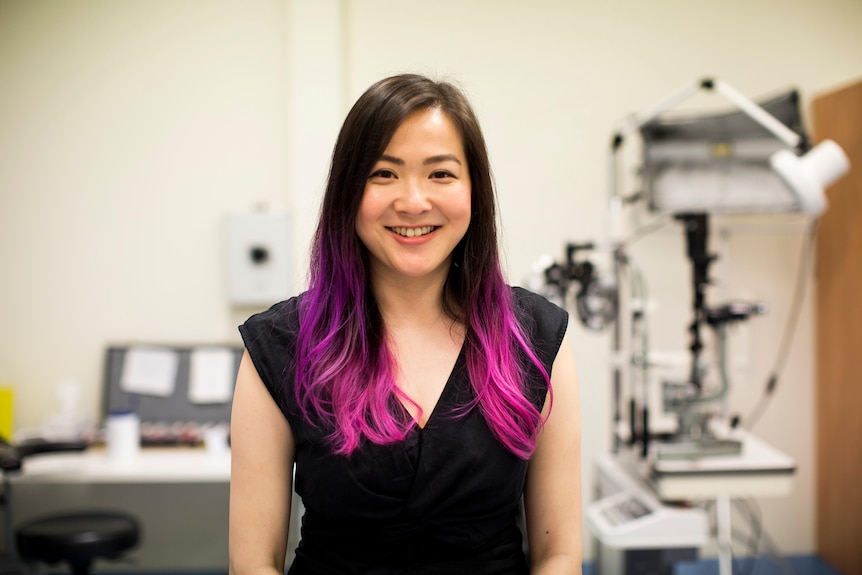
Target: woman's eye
[440,174]
[383,174]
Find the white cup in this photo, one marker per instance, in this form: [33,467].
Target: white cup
[123,435]
[215,440]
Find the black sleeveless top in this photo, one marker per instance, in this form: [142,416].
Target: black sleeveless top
[446,500]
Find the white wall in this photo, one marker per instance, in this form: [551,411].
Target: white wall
[129,129]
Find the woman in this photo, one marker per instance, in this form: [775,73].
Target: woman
[420,398]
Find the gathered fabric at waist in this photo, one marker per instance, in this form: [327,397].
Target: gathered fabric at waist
[368,547]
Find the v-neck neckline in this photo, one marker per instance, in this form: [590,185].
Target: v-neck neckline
[447,390]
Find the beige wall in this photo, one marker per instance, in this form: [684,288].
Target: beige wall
[128,130]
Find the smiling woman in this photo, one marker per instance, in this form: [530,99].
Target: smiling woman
[410,386]
[416,204]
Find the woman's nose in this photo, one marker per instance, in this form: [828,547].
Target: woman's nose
[413,197]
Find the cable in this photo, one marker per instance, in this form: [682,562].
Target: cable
[789,327]
[748,506]
[755,537]
[759,542]
[646,229]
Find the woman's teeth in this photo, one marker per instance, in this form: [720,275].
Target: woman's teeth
[413,232]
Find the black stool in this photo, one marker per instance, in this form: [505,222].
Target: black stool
[77,538]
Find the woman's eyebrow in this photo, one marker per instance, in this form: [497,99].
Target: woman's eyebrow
[391,160]
[441,158]
[429,160]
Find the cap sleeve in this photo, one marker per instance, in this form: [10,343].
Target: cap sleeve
[544,323]
[270,339]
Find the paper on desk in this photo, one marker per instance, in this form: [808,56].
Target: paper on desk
[149,371]
[211,375]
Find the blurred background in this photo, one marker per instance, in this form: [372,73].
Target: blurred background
[130,131]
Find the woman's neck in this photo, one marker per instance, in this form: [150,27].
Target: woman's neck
[415,303]
[410,301]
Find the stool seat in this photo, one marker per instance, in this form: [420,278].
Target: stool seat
[77,538]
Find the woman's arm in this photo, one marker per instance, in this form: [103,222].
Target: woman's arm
[261,482]
[552,496]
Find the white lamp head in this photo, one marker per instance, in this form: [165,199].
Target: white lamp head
[807,176]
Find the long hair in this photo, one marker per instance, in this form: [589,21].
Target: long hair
[345,371]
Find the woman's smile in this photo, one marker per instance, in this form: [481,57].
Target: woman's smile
[413,232]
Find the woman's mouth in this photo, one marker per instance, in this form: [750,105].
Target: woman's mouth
[412,232]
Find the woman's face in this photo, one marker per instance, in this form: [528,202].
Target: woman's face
[416,204]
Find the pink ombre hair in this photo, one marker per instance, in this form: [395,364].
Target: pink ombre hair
[345,372]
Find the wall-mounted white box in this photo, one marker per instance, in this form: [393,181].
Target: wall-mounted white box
[258,258]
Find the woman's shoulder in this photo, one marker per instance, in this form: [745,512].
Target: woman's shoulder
[538,308]
[270,340]
[278,322]
[544,322]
